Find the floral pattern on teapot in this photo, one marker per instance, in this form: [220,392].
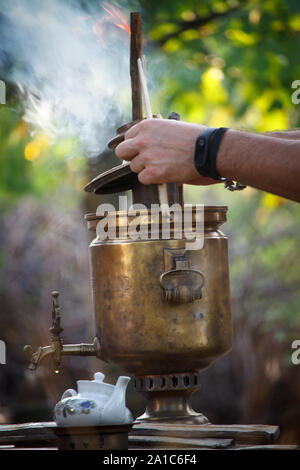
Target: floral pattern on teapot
[95,403]
[72,408]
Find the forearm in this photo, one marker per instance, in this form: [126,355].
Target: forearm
[261,161]
[293,134]
[162,151]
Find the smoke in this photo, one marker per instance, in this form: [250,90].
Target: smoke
[71,65]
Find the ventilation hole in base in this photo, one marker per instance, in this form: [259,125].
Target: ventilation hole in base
[150,383]
[141,383]
[163,382]
[195,380]
[186,381]
[174,381]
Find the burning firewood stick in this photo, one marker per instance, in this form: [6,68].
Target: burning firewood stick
[162,188]
[136,27]
[136,39]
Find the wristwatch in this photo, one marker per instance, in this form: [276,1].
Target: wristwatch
[206,150]
[205,157]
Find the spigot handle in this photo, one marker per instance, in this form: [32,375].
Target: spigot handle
[56,329]
[32,357]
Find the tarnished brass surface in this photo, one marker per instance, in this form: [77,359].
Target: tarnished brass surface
[171,407]
[138,328]
[168,398]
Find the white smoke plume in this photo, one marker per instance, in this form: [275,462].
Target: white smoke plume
[71,64]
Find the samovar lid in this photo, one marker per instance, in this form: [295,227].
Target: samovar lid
[120,178]
[117,179]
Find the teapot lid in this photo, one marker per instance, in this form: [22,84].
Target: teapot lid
[98,377]
[96,385]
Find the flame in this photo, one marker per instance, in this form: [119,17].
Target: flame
[114,16]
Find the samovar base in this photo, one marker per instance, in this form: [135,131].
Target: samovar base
[169,398]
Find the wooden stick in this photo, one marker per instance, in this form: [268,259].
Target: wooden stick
[136,38]
[136,27]
[142,75]
[162,188]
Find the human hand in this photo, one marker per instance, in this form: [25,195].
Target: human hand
[162,151]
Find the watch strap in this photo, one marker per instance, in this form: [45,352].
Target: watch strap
[206,151]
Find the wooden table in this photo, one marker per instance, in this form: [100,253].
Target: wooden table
[147,436]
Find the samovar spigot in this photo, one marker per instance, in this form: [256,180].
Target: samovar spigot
[57,349]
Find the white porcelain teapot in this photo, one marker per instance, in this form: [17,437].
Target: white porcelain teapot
[96,403]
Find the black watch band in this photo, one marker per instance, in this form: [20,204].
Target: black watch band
[206,151]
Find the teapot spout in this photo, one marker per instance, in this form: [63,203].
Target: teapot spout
[115,410]
[119,393]
[122,383]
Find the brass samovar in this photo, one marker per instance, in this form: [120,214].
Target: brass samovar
[162,311]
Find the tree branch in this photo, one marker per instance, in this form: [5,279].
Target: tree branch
[196,23]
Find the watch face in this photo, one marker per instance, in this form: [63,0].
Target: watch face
[201,152]
[201,142]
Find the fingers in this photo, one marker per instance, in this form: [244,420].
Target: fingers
[127,149]
[133,131]
[137,164]
[151,176]
[134,141]
[144,177]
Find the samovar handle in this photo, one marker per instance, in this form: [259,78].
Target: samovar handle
[182,284]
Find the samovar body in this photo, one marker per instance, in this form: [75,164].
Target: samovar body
[161,308]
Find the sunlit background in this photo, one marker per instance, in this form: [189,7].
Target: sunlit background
[220,63]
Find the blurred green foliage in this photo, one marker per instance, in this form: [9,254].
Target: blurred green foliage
[34,163]
[218,62]
[228,62]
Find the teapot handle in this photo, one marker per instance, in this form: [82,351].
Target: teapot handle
[68,393]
